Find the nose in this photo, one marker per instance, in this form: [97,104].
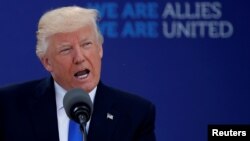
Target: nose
[78,56]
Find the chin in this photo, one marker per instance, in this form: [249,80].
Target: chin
[88,88]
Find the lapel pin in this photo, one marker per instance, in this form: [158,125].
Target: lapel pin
[110,116]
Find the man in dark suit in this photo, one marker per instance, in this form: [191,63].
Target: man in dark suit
[69,45]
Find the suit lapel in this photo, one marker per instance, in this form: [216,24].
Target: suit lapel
[104,117]
[44,114]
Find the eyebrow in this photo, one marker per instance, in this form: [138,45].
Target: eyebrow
[63,45]
[85,40]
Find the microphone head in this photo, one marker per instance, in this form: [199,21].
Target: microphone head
[77,102]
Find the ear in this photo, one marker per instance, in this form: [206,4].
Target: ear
[46,63]
[100,51]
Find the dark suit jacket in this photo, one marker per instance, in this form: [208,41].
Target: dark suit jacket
[28,113]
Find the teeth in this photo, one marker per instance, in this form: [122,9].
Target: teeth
[82,76]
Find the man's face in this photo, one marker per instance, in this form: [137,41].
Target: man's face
[74,59]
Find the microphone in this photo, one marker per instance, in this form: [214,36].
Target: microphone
[78,107]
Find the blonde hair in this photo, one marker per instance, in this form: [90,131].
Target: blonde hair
[64,19]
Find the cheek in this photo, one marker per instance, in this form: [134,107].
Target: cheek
[61,64]
[97,63]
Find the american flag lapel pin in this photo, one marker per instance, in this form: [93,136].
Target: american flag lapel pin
[110,116]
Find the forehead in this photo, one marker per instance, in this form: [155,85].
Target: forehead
[83,33]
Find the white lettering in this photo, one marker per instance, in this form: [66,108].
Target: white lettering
[215,132]
[194,29]
[197,10]
[231,133]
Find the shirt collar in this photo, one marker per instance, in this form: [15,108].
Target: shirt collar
[60,92]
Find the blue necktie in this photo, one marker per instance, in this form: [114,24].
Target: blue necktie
[74,132]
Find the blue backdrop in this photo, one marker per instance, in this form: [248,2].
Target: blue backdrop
[190,58]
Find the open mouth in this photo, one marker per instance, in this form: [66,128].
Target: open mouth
[82,74]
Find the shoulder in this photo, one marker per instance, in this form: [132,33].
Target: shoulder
[130,98]
[24,88]
[129,101]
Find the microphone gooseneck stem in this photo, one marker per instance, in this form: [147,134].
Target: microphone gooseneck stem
[84,132]
[83,126]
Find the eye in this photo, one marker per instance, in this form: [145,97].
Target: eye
[65,50]
[86,44]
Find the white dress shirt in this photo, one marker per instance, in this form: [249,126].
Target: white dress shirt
[62,118]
